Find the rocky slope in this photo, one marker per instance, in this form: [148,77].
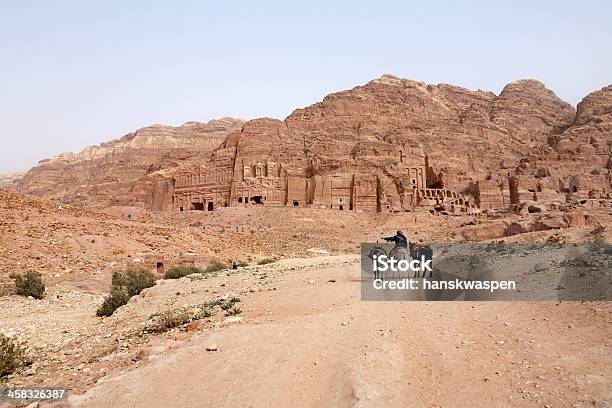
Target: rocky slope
[587,143]
[9,180]
[466,134]
[378,129]
[130,170]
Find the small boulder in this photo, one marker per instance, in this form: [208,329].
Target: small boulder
[541,266]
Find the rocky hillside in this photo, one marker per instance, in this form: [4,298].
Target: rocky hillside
[390,123]
[466,134]
[131,170]
[8,180]
[379,128]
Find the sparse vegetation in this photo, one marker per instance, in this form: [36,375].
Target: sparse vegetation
[242,264]
[215,267]
[11,355]
[202,314]
[169,320]
[265,261]
[233,311]
[115,299]
[162,322]
[598,233]
[180,271]
[30,284]
[228,304]
[133,282]
[124,285]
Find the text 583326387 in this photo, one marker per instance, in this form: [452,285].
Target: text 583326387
[24,394]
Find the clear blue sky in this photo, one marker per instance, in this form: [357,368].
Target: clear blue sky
[76,73]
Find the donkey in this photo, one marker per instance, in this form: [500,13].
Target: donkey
[421,250]
[377,251]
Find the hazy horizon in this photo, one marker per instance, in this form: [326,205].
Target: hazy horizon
[77,74]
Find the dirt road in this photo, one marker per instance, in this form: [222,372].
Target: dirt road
[313,342]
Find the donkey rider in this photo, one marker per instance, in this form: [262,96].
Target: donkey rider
[399,238]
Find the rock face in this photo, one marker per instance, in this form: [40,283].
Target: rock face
[9,180]
[133,170]
[394,143]
[389,145]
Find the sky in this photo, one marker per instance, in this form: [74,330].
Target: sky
[77,73]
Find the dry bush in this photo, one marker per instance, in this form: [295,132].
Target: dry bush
[215,267]
[169,320]
[11,355]
[115,299]
[181,270]
[30,284]
[133,282]
[124,285]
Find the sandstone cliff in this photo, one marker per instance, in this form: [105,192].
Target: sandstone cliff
[9,180]
[372,147]
[131,170]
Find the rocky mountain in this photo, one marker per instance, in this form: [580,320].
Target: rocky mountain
[131,170]
[466,134]
[395,143]
[8,180]
[380,145]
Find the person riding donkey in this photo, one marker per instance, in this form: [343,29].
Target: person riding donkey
[404,249]
[399,238]
[400,250]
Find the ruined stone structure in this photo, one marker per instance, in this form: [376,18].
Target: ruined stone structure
[150,261]
[265,182]
[208,187]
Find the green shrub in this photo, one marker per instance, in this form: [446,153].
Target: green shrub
[181,270]
[11,355]
[30,284]
[115,299]
[228,304]
[133,282]
[124,285]
[265,261]
[202,314]
[215,267]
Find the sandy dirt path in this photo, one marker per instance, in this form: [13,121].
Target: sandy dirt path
[312,342]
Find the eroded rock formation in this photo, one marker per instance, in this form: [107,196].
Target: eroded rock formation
[389,145]
[9,180]
[393,144]
[136,169]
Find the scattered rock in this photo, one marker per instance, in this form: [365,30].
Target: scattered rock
[195,325]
